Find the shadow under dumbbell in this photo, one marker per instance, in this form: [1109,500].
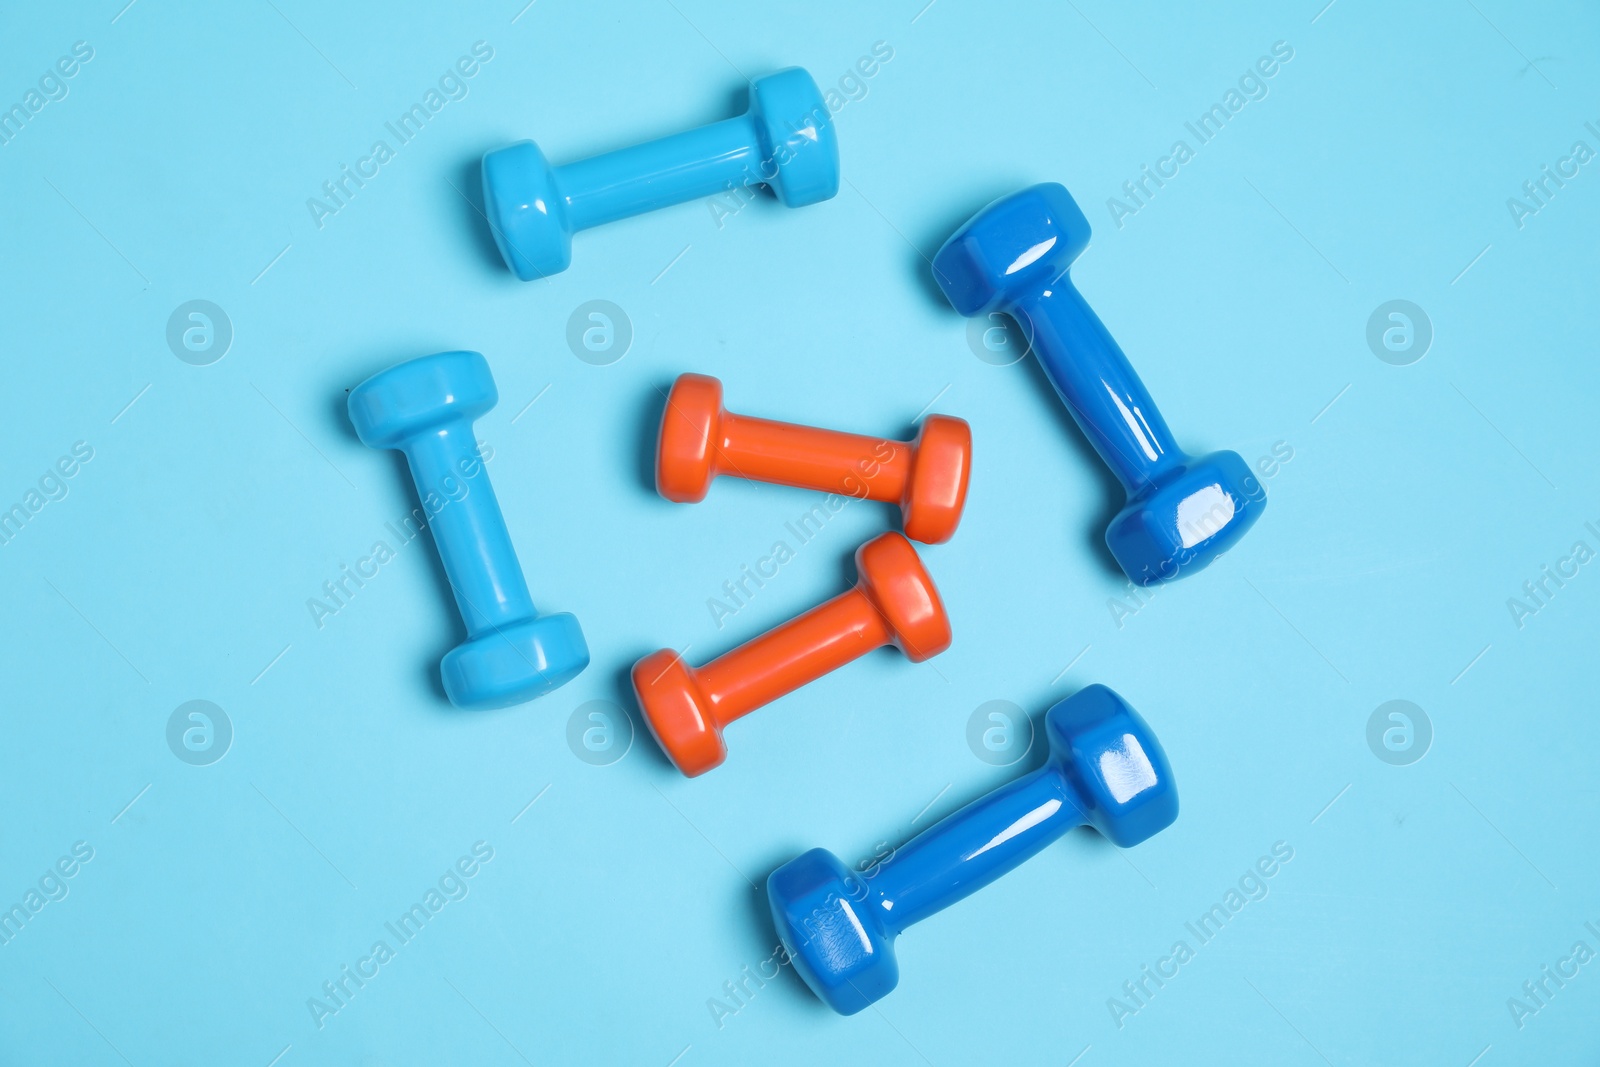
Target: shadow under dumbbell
[758,912]
[929,239]
[452,630]
[1088,523]
[339,414]
[647,431]
[622,694]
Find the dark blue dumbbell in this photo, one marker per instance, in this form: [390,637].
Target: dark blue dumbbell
[785,141]
[1183,511]
[1106,769]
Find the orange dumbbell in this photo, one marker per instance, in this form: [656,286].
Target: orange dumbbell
[927,477]
[893,602]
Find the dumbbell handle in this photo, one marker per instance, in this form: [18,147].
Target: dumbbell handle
[671,170]
[824,460]
[1098,385]
[469,529]
[971,848]
[785,658]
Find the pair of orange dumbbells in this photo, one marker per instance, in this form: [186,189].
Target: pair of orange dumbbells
[893,602]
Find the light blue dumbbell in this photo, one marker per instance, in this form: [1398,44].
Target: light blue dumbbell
[785,141]
[425,408]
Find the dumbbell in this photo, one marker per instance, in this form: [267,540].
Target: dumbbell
[927,477]
[1182,511]
[1106,769]
[894,602]
[785,141]
[425,408]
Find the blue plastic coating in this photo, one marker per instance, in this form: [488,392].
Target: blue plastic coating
[1106,769]
[425,408]
[785,141]
[1182,511]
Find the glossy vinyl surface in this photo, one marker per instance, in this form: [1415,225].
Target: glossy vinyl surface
[927,477]
[893,602]
[1399,525]
[1106,769]
[786,141]
[425,408]
[1182,511]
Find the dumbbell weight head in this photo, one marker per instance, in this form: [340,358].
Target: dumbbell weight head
[1011,248]
[1115,764]
[391,408]
[936,490]
[1187,519]
[691,429]
[899,586]
[514,664]
[527,211]
[839,926]
[798,147]
[828,922]
[679,713]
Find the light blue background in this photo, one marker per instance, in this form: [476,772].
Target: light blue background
[179,565]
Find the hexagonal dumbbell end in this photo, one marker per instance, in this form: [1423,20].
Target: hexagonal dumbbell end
[1015,246]
[893,602]
[1182,511]
[785,140]
[1186,518]
[927,477]
[1114,765]
[828,921]
[1106,769]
